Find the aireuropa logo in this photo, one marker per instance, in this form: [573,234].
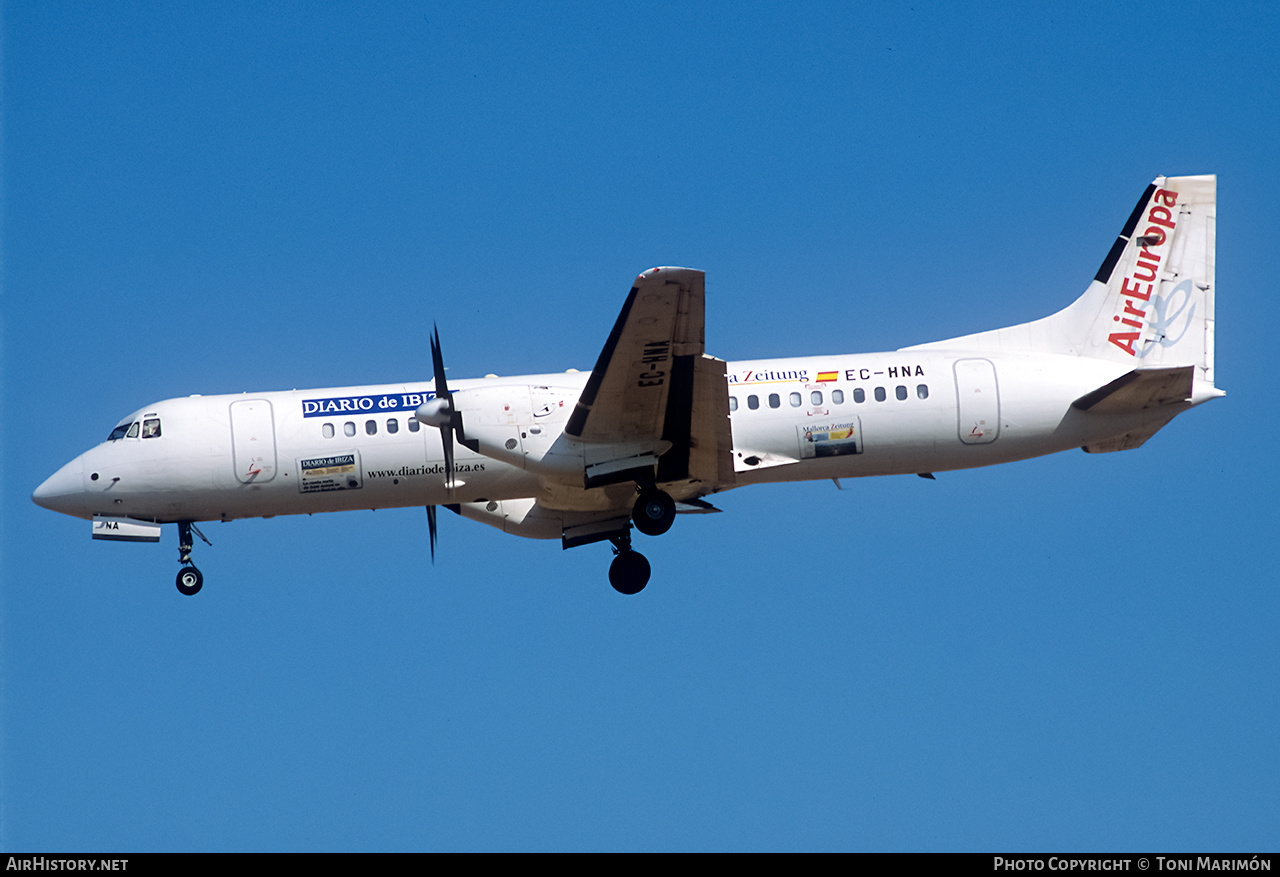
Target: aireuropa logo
[1136,298]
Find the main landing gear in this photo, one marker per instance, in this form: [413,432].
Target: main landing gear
[653,512]
[629,572]
[652,515]
[190,579]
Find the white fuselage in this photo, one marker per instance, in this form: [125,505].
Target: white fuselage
[336,449]
[658,424]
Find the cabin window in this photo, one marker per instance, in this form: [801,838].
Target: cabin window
[901,392]
[837,397]
[371,426]
[775,401]
[859,395]
[393,425]
[348,429]
[151,428]
[733,403]
[880,394]
[795,400]
[922,391]
[816,397]
[753,402]
[414,424]
[327,429]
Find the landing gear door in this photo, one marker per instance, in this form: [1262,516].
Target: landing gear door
[253,441]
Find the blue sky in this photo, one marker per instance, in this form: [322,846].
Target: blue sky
[1077,652]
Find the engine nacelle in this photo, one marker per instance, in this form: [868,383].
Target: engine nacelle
[499,423]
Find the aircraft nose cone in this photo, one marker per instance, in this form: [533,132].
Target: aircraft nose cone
[63,491]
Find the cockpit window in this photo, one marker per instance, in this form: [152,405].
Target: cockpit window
[148,428]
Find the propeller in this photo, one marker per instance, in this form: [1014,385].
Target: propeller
[439,412]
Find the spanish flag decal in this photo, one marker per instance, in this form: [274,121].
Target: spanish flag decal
[827,376]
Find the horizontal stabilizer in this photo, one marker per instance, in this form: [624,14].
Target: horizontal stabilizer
[1133,438]
[1140,389]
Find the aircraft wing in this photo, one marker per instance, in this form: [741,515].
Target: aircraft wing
[652,391]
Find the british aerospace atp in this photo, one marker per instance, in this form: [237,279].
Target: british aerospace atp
[658,425]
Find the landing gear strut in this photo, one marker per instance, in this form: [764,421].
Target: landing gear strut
[190,579]
[629,572]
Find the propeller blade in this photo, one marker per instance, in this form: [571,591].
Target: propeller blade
[442,393]
[437,364]
[431,529]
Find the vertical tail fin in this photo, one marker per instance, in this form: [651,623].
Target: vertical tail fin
[1151,303]
[1157,282]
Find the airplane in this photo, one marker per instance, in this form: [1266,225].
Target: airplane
[658,425]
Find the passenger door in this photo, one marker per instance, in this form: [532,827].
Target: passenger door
[253,441]
[978,401]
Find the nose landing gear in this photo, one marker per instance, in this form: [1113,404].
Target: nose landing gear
[190,579]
